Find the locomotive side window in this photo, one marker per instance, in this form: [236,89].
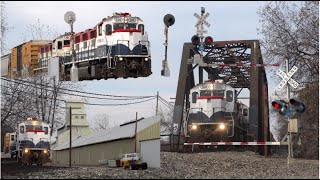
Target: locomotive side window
[229,96]
[46,130]
[194,97]
[59,44]
[100,29]
[21,129]
[141,28]
[108,29]
[245,112]
[12,138]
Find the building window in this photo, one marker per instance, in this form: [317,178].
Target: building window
[82,117]
[76,117]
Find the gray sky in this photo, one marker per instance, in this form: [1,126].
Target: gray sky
[229,21]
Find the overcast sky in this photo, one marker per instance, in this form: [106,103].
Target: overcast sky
[229,21]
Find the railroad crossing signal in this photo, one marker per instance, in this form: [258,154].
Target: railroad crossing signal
[287,78]
[297,105]
[202,21]
[284,109]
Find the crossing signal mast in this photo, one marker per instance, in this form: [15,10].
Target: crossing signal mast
[288,107]
[168,21]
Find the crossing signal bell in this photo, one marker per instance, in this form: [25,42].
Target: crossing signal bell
[297,105]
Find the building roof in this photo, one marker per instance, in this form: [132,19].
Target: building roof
[116,133]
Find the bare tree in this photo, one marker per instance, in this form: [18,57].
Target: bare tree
[292,28]
[4,27]
[291,31]
[39,31]
[101,122]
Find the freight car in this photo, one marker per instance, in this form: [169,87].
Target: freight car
[24,59]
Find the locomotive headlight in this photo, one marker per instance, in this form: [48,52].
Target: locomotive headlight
[222,126]
[194,127]
[146,59]
[45,151]
[120,58]
[26,151]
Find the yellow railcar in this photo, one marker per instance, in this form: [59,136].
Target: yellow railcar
[24,58]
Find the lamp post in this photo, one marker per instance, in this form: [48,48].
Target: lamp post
[70,18]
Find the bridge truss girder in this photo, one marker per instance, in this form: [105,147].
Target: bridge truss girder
[254,78]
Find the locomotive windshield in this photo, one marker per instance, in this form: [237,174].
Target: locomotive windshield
[218,93]
[205,93]
[33,127]
[118,26]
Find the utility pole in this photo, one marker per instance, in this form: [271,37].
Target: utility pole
[70,137]
[135,134]
[157,103]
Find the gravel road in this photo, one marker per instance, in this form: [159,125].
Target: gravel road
[182,165]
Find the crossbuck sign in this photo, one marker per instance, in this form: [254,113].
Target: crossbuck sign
[201,21]
[287,78]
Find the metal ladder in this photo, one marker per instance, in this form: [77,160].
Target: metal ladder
[109,64]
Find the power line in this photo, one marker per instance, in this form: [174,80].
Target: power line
[166,102]
[97,94]
[93,103]
[35,85]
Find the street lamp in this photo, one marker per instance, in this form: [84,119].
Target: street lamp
[70,18]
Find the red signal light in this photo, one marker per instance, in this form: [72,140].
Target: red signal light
[208,40]
[275,105]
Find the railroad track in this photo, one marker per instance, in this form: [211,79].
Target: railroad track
[11,169]
[281,151]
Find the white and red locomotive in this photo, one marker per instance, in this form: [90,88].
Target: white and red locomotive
[31,143]
[117,46]
[215,115]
